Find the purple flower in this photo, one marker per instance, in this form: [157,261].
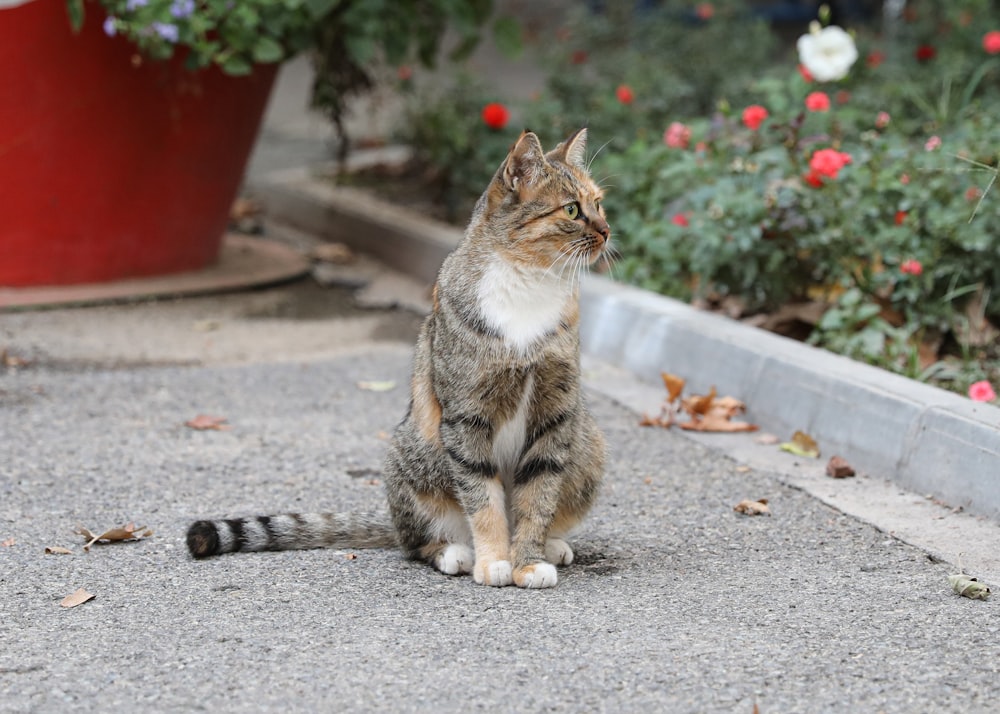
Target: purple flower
[133,5]
[109,26]
[182,8]
[165,30]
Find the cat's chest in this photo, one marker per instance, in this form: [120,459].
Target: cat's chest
[522,306]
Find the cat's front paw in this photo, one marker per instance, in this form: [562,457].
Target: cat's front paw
[455,559]
[536,575]
[558,552]
[493,572]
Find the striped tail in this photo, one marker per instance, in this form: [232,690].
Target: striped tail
[290,531]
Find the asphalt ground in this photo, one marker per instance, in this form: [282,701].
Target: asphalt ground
[675,602]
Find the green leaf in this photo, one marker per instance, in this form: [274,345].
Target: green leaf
[236,65]
[74,8]
[267,50]
[507,36]
[319,8]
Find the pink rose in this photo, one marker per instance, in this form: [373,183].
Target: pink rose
[982,392]
[991,42]
[911,267]
[677,136]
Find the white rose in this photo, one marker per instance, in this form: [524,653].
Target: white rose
[828,53]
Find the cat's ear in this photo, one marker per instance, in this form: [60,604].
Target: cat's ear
[525,162]
[573,151]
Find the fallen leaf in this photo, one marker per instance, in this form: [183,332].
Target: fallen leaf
[753,508]
[126,532]
[674,385]
[969,587]
[244,207]
[718,416]
[12,361]
[838,467]
[57,550]
[698,404]
[336,253]
[766,439]
[78,598]
[8,543]
[377,385]
[205,422]
[801,445]
[351,556]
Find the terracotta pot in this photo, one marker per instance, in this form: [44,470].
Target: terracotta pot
[114,166]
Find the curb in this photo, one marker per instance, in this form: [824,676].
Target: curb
[922,438]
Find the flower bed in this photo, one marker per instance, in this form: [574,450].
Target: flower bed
[842,195]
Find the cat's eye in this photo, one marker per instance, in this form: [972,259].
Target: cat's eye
[572,210]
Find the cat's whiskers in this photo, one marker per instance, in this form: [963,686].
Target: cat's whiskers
[596,154]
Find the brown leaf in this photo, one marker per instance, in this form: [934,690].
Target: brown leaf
[205,422]
[718,417]
[837,467]
[126,532]
[12,361]
[351,556]
[802,445]
[753,508]
[78,598]
[8,543]
[57,550]
[698,404]
[674,385]
[336,253]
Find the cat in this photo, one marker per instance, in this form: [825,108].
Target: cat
[497,458]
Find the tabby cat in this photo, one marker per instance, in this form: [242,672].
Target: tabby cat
[497,458]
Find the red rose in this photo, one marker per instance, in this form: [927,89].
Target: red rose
[818,102]
[828,162]
[679,219]
[754,116]
[925,53]
[624,94]
[900,217]
[495,116]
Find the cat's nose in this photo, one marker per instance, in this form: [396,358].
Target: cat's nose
[602,227]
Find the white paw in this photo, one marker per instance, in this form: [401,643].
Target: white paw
[539,575]
[456,558]
[558,552]
[496,573]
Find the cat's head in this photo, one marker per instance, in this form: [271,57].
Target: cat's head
[543,209]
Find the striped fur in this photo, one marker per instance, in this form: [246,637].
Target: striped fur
[497,459]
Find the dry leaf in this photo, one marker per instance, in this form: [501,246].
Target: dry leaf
[12,361]
[377,385]
[698,404]
[718,416]
[126,532]
[753,508]
[969,587]
[801,445]
[8,543]
[205,422]
[244,208]
[57,550]
[351,556]
[838,467]
[78,598]
[674,385]
[336,253]
[766,439]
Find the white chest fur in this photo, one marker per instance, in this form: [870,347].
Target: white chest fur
[521,304]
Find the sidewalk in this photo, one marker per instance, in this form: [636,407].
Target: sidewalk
[675,602]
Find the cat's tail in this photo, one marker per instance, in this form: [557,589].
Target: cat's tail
[290,531]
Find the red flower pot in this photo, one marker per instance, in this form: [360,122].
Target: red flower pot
[114,166]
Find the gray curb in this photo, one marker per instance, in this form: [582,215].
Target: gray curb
[924,439]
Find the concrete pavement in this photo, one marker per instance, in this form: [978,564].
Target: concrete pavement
[675,603]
